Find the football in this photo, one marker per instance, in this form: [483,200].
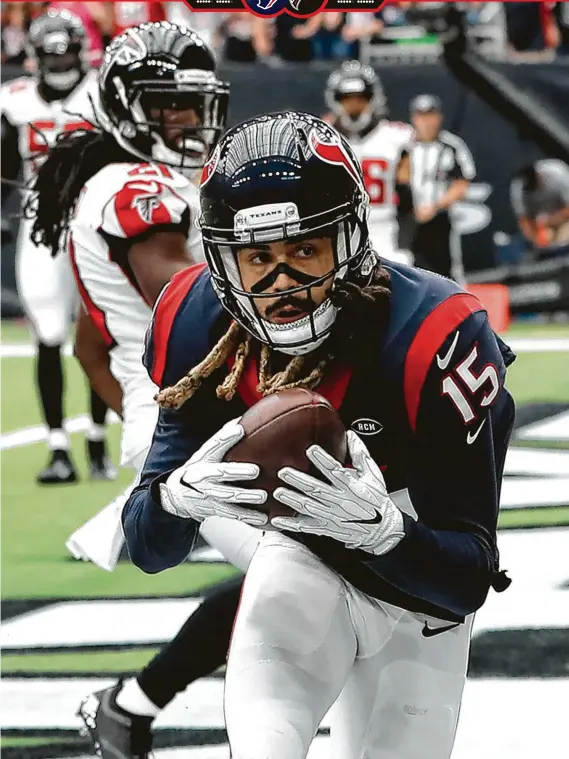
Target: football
[278,431]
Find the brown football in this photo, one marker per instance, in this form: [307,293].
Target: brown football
[278,430]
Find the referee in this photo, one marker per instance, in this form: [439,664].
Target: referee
[439,169]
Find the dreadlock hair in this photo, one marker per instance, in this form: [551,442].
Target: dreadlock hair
[361,305]
[74,159]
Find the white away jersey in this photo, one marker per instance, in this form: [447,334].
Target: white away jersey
[38,122]
[120,204]
[379,153]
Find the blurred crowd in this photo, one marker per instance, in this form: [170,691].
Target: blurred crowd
[529,30]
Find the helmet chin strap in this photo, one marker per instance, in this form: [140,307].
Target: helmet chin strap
[283,268]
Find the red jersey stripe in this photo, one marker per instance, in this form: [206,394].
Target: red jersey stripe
[429,337]
[165,313]
[96,314]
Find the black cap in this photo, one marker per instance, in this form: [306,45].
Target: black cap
[426,104]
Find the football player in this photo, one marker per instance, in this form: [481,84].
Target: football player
[34,111]
[358,110]
[367,594]
[127,206]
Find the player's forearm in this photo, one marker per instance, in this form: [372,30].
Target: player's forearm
[454,194]
[105,385]
[96,365]
[449,569]
[156,540]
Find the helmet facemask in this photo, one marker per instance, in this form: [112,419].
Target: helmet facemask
[175,124]
[347,231]
[60,62]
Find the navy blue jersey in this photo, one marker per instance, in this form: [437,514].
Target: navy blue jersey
[429,401]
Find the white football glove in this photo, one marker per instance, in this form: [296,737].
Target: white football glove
[354,509]
[197,489]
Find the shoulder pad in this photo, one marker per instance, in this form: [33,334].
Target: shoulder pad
[139,205]
[178,318]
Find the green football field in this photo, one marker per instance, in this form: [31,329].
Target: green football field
[36,521]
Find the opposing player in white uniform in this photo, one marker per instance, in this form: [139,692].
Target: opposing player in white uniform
[127,203]
[34,111]
[358,109]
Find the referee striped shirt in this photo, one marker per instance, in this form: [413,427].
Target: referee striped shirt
[436,165]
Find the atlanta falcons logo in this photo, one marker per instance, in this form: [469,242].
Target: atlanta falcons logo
[302,8]
[146,205]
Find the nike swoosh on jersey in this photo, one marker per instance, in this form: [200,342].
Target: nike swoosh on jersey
[429,632]
[374,520]
[444,361]
[471,436]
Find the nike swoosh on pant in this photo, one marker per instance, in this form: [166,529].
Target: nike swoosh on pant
[445,360]
[429,632]
[471,437]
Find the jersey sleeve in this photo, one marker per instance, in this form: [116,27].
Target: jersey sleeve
[140,208]
[158,540]
[464,164]
[517,198]
[461,424]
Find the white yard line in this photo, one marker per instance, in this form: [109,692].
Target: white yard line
[517,344]
[38,433]
[26,350]
[520,719]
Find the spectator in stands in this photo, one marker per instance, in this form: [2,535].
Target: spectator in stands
[14,33]
[361,27]
[540,198]
[130,13]
[531,27]
[561,15]
[328,43]
[245,39]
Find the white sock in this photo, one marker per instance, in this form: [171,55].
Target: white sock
[58,440]
[133,699]
[95,432]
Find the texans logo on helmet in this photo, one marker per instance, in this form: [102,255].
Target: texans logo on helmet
[333,151]
[209,168]
[268,8]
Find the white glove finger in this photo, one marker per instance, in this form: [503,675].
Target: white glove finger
[230,471]
[361,458]
[305,483]
[250,516]
[328,465]
[226,494]
[297,524]
[217,446]
[300,503]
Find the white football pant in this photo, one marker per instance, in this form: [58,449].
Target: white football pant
[46,287]
[304,637]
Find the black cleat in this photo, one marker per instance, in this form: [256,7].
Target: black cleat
[116,733]
[59,471]
[100,465]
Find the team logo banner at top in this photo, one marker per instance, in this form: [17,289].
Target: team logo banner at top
[298,8]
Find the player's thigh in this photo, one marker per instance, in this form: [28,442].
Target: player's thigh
[293,646]
[46,292]
[403,702]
